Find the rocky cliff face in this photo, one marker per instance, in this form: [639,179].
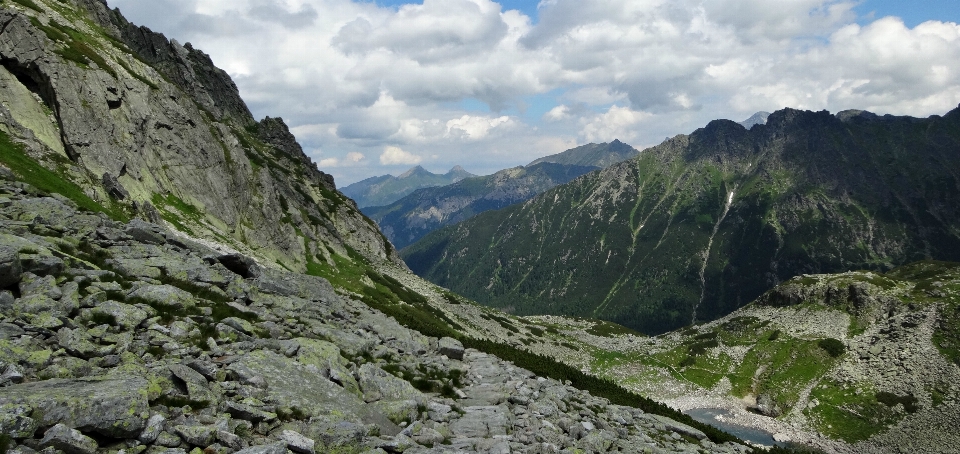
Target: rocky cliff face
[702,224]
[152,127]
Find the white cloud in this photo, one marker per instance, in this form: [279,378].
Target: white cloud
[352,77]
[616,123]
[355,157]
[470,127]
[561,112]
[394,155]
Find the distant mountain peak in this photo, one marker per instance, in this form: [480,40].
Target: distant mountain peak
[385,189]
[759,118]
[592,154]
[413,171]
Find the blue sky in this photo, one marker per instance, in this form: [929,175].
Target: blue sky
[375,87]
[912,12]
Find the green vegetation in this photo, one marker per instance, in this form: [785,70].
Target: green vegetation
[909,403]
[179,211]
[79,48]
[833,346]
[29,4]
[6,442]
[850,414]
[31,172]
[626,245]
[609,329]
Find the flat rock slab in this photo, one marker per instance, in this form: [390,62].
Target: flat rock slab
[113,407]
[293,385]
[676,426]
[481,422]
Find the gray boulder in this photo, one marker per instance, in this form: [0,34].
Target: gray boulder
[15,422]
[293,385]
[297,443]
[377,384]
[41,264]
[481,422]
[68,440]
[10,267]
[451,347]
[676,426]
[116,407]
[196,384]
[153,429]
[165,295]
[126,316]
[113,187]
[196,435]
[145,232]
[279,447]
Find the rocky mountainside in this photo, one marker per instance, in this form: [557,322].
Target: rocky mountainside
[131,174]
[386,189]
[148,127]
[130,337]
[702,224]
[407,220]
[872,359]
[601,155]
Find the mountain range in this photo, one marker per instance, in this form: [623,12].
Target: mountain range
[386,189]
[410,218]
[176,276]
[600,155]
[704,223]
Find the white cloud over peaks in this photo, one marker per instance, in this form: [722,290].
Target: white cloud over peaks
[616,123]
[394,155]
[470,127]
[352,159]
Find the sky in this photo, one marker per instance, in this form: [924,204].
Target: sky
[376,87]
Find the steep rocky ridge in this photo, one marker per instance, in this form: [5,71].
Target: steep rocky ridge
[410,218]
[386,189]
[704,223]
[152,128]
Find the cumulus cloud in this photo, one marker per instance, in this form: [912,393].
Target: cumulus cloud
[394,155]
[352,77]
[616,123]
[352,159]
[470,127]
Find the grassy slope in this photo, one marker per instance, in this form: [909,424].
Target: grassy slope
[811,195]
[757,355]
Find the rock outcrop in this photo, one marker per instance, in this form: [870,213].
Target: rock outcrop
[153,128]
